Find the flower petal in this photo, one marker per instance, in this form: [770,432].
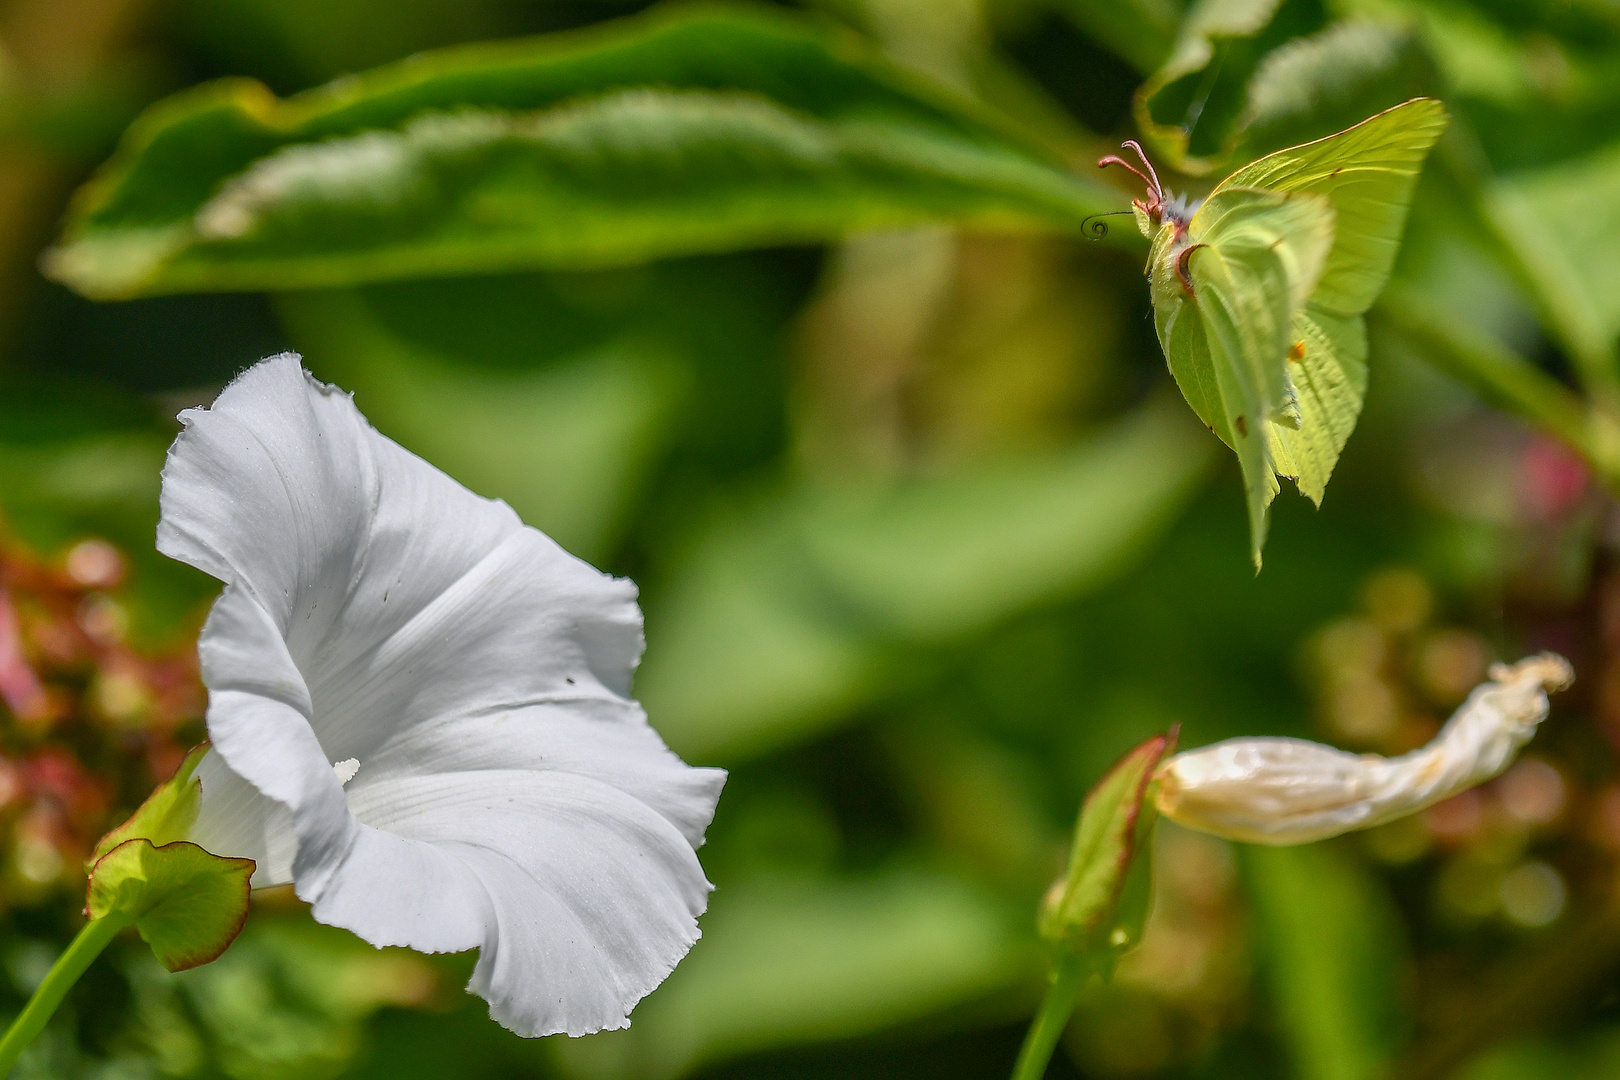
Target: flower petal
[582,738]
[371,562]
[238,819]
[592,894]
[259,722]
[470,680]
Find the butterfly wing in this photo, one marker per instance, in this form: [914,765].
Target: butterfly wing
[1368,173]
[1251,258]
[1328,363]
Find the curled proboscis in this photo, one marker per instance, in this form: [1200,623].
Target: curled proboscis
[1095,228]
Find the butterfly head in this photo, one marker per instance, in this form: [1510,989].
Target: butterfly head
[1155,208]
[1178,210]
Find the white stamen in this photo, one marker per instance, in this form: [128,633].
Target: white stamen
[1290,791]
[346,769]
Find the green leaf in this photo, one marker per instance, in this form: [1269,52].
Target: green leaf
[1330,943]
[1505,379]
[1495,55]
[187,904]
[754,652]
[1593,1055]
[1097,908]
[289,999]
[787,612]
[167,814]
[674,133]
[1316,85]
[1247,77]
[937,560]
[1172,104]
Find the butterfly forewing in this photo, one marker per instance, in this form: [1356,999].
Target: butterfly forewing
[1368,173]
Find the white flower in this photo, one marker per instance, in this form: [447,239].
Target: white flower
[420,711]
[1289,791]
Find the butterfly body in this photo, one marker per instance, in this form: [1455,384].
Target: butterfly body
[1259,290]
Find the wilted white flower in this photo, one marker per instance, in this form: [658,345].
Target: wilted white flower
[420,711]
[1290,791]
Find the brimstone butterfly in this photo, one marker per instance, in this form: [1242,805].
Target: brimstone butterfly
[1259,290]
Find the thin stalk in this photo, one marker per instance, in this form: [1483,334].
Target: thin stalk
[1068,977]
[58,981]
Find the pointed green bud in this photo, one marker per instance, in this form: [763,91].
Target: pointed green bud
[1096,910]
[167,814]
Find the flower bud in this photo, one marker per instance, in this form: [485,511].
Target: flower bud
[1096,909]
[1290,791]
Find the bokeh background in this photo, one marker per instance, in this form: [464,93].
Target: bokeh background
[926,538]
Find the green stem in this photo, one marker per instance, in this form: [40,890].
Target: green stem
[1068,976]
[58,981]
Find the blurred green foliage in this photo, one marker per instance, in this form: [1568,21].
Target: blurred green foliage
[925,538]
[702,131]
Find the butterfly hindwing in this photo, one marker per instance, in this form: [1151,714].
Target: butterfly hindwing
[1185,344]
[1328,363]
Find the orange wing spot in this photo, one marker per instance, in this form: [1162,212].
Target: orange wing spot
[1296,351]
[1242,426]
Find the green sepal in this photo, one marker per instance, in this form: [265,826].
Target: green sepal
[167,814]
[1096,910]
[187,904]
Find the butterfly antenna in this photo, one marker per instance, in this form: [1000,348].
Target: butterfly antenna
[1115,159]
[1146,164]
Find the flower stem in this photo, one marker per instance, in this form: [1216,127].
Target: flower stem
[58,981]
[1068,976]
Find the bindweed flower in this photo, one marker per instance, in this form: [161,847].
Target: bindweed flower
[420,711]
[1290,791]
